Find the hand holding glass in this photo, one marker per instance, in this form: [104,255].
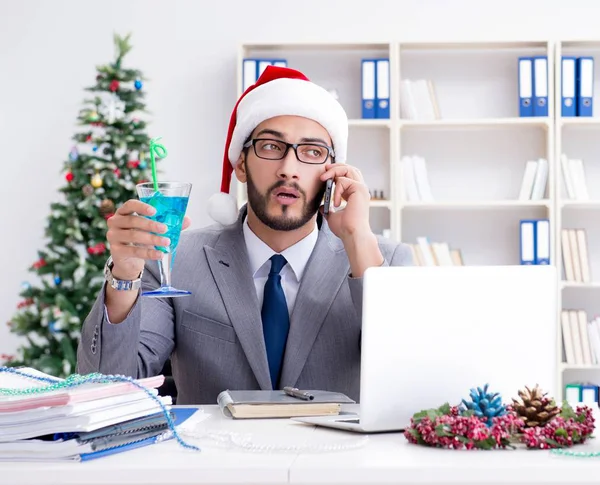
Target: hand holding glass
[170,201]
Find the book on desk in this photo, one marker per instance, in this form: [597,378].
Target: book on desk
[245,404]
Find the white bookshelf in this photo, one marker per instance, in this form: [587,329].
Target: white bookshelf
[475,152]
[579,138]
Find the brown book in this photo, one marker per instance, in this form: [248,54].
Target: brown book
[277,404]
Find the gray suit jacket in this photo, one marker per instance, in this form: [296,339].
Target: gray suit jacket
[214,337]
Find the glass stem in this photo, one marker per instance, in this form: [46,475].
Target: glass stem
[164,265]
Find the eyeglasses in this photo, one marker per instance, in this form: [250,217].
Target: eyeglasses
[270,149]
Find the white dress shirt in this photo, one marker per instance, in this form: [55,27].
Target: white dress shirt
[297,256]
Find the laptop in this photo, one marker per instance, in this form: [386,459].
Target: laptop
[430,334]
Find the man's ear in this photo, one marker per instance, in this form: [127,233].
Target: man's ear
[240,168]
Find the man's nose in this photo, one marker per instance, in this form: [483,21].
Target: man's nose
[288,166]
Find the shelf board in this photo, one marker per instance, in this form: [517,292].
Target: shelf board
[476,122]
[580,204]
[316,45]
[565,366]
[477,45]
[577,284]
[580,121]
[369,122]
[381,203]
[477,204]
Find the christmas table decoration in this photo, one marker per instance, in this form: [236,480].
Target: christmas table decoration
[532,421]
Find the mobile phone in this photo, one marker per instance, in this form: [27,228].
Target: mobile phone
[327,198]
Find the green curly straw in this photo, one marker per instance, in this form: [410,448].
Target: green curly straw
[156,149]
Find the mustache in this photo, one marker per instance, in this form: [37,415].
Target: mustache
[292,185]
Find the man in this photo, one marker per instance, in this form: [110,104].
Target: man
[276,287]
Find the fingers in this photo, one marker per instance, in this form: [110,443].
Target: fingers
[187,222]
[121,251]
[136,222]
[136,206]
[345,187]
[335,170]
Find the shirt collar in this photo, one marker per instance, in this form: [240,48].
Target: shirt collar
[297,255]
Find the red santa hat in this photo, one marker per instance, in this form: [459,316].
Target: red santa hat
[278,91]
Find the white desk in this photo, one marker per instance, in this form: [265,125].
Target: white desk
[385,458]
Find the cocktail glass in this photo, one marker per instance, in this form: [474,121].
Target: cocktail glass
[170,201]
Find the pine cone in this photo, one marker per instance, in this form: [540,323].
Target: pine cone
[484,404]
[534,408]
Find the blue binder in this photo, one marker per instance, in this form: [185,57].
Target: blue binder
[525,87]
[568,87]
[542,241]
[527,241]
[253,67]
[540,86]
[382,91]
[585,86]
[368,87]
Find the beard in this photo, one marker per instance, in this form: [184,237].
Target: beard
[285,222]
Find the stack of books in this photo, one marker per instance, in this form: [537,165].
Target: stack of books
[81,422]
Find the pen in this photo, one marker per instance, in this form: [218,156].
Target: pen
[292,391]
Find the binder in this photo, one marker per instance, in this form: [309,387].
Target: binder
[249,69]
[252,68]
[573,393]
[368,87]
[542,241]
[585,86]
[382,91]
[525,87]
[540,86]
[568,92]
[528,242]
[589,394]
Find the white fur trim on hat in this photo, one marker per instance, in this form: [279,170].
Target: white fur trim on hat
[293,97]
[222,208]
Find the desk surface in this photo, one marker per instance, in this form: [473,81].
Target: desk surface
[308,459]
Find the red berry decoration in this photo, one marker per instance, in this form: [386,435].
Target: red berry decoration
[460,427]
[114,85]
[69,176]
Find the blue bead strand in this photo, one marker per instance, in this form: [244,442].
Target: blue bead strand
[94,378]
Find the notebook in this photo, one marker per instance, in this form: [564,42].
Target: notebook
[277,404]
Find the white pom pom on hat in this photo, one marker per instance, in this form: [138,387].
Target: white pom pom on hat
[278,91]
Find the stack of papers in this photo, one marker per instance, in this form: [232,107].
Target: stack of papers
[83,422]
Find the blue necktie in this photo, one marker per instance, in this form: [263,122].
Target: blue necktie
[275,318]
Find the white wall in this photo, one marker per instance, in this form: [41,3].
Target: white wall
[48,51]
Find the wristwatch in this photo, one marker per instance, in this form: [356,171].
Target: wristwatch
[120,285]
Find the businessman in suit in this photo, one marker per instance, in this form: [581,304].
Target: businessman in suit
[276,285]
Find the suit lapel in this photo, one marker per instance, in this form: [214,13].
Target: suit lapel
[230,268]
[325,272]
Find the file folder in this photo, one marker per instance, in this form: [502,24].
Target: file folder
[252,68]
[540,86]
[248,73]
[585,86]
[525,87]
[382,92]
[568,93]
[542,241]
[368,88]
[528,243]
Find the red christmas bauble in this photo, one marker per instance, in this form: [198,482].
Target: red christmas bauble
[117,172]
[69,176]
[114,85]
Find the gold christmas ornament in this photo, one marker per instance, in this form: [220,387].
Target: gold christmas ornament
[96,180]
[107,206]
[534,408]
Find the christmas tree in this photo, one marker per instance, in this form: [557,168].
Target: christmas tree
[101,171]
